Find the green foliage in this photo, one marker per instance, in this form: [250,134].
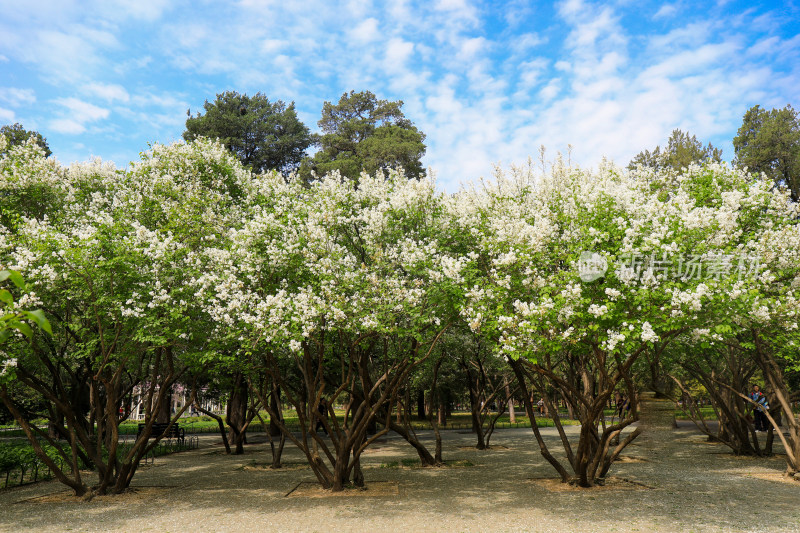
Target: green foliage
[12,455]
[15,135]
[16,454]
[264,135]
[681,151]
[362,133]
[13,319]
[769,142]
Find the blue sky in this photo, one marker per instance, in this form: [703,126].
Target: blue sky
[488,82]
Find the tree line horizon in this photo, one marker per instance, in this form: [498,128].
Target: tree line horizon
[363,133]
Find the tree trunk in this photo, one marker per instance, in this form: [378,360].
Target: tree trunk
[165,409]
[516,366]
[340,477]
[221,424]
[274,430]
[512,415]
[237,412]
[425,456]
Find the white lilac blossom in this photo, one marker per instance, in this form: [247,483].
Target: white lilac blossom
[529,227]
[205,250]
[648,335]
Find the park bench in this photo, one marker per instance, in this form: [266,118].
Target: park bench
[175,431]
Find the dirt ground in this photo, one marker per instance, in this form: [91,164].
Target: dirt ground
[668,481]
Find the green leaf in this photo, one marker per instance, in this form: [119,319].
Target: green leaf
[40,320]
[14,276]
[16,279]
[22,327]
[6,297]
[4,335]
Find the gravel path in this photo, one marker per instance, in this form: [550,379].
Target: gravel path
[674,481]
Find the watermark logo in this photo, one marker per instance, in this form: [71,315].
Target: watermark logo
[688,266]
[629,267]
[591,266]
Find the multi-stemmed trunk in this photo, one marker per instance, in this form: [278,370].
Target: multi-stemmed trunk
[115,465]
[237,413]
[599,444]
[271,399]
[725,373]
[335,460]
[483,393]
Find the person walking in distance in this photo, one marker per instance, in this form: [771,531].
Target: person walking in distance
[759,412]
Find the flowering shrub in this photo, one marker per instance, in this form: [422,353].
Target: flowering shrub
[186,261]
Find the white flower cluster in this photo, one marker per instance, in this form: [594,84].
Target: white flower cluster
[187,244]
[8,364]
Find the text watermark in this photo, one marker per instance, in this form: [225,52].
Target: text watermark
[592,266]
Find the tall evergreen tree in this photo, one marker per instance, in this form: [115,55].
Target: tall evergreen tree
[769,142]
[264,135]
[362,133]
[681,151]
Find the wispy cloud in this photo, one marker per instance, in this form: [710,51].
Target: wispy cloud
[16,97]
[7,115]
[75,115]
[108,92]
[666,11]
[486,82]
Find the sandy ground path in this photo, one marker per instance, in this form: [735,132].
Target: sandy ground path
[670,481]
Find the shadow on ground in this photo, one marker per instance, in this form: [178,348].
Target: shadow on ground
[674,481]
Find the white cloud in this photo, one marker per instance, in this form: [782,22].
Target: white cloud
[272,46]
[165,100]
[359,8]
[692,35]
[61,57]
[16,97]
[470,48]
[398,52]
[571,8]
[666,11]
[453,17]
[518,13]
[451,5]
[366,31]
[83,111]
[75,115]
[108,92]
[7,116]
[149,10]
[66,125]
[775,46]
[693,61]
[524,42]
[551,90]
